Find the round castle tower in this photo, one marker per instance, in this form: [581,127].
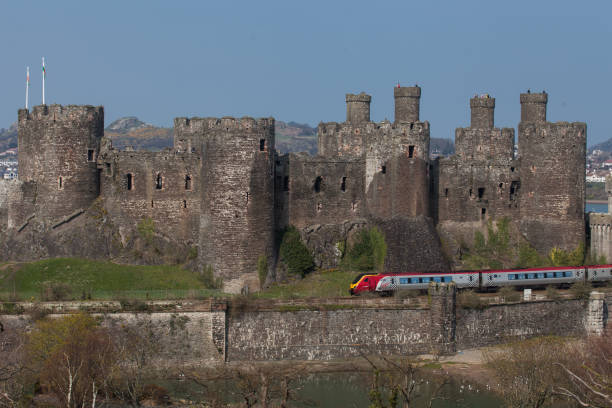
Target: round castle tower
[237,215]
[533,107]
[483,111]
[358,108]
[407,103]
[58,148]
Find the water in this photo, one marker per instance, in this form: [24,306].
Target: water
[348,389]
[596,207]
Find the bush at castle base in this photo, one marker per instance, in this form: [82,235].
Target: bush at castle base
[294,253]
[368,252]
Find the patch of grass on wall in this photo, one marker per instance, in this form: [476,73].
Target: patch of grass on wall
[323,283]
[102,279]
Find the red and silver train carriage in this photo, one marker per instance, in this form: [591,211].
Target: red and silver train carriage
[387,283]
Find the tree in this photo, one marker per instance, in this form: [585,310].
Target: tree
[589,372]
[400,381]
[72,357]
[11,367]
[294,253]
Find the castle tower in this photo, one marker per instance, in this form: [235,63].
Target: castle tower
[407,101]
[533,107]
[397,161]
[237,184]
[552,167]
[58,148]
[480,181]
[358,108]
[483,109]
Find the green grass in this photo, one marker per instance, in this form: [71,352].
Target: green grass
[324,284]
[104,280]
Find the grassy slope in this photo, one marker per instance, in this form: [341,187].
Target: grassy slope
[325,283]
[106,280]
[102,279]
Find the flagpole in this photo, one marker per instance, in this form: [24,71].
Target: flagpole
[43,74]
[27,85]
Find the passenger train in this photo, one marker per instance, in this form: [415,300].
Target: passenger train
[387,283]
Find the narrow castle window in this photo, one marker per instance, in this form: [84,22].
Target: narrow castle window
[60,183]
[343,185]
[130,181]
[152,206]
[354,206]
[286,183]
[187,182]
[410,152]
[159,182]
[483,212]
[446,192]
[471,193]
[481,191]
[317,184]
[184,203]
[262,145]
[383,169]
[90,155]
[247,197]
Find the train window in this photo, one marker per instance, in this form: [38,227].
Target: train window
[568,274]
[520,276]
[471,278]
[403,281]
[511,276]
[366,280]
[531,276]
[437,279]
[448,279]
[558,274]
[550,275]
[540,275]
[414,280]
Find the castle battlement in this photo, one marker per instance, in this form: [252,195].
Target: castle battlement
[226,122]
[62,113]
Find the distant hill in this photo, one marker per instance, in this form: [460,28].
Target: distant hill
[130,131]
[441,147]
[603,146]
[8,137]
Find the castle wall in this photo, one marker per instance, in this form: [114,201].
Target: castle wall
[237,182]
[397,173]
[163,186]
[58,147]
[552,157]
[324,191]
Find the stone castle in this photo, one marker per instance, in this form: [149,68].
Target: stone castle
[220,195]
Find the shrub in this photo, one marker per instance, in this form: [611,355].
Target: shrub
[468,299]
[55,291]
[581,290]
[294,253]
[552,293]
[368,252]
[528,257]
[262,269]
[208,279]
[508,294]
[146,229]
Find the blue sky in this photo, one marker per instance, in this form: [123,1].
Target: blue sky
[295,60]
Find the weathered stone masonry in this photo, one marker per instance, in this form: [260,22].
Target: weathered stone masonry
[218,197]
[212,334]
